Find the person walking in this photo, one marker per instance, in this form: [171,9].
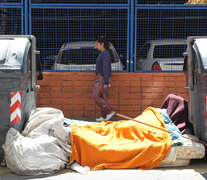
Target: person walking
[104,75]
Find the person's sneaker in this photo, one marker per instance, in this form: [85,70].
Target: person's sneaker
[109,116]
[100,119]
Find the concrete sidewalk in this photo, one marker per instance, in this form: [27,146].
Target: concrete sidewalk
[196,170]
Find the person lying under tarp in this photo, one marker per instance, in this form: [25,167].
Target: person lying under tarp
[123,144]
[49,137]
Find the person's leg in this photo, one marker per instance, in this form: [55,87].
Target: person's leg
[106,107]
[107,110]
[100,97]
[97,96]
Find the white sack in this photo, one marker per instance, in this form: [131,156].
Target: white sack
[41,121]
[44,147]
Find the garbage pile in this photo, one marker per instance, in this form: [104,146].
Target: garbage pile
[50,142]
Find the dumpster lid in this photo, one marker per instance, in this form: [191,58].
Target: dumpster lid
[13,52]
[200,48]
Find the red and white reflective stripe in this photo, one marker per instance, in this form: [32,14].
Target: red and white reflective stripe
[15,107]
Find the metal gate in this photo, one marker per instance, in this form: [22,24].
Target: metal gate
[161,30]
[60,25]
[11,15]
[146,35]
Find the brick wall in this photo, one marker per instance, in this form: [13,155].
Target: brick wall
[130,93]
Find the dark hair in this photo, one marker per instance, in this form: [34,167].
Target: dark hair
[103,39]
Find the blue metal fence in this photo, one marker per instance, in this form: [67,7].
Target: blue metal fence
[81,2]
[11,2]
[59,28]
[146,35]
[161,32]
[11,19]
[160,2]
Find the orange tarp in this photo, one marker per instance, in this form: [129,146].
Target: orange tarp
[121,144]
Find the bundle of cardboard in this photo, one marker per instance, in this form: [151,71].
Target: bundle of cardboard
[197,2]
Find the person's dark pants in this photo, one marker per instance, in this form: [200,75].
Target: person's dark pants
[100,97]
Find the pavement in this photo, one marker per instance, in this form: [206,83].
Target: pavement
[197,170]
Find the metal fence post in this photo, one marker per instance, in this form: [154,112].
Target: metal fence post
[131,58]
[26,17]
